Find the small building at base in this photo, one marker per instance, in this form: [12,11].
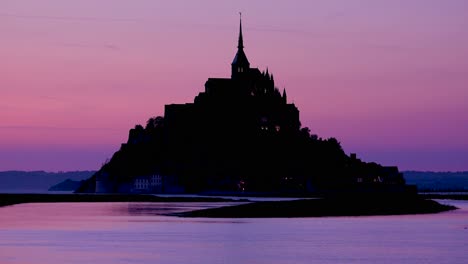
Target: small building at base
[156,183]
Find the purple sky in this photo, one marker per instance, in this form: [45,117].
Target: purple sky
[388,79]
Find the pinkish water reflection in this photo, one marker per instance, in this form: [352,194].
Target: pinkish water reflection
[137,233]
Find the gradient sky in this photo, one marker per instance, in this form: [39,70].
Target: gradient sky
[388,79]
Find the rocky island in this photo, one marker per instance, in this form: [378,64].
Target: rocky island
[240,136]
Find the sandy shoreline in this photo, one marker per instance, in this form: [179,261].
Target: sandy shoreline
[11,199]
[336,206]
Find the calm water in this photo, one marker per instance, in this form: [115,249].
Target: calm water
[137,233]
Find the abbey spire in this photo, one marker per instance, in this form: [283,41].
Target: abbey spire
[240,44]
[240,65]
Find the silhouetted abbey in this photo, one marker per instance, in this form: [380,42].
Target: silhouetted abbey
[239,135]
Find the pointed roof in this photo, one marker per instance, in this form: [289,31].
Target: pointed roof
[240,58]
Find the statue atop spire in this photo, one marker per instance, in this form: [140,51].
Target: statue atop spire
[240,65]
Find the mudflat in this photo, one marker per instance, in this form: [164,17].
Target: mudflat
[361,206]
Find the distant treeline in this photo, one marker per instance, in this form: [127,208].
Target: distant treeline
[428,181]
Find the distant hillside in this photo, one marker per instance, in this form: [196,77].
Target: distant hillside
[37,181]
[438,181]
[66,185]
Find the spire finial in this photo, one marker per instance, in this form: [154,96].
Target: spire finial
[240,45]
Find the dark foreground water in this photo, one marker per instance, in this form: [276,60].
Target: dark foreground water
[137,233]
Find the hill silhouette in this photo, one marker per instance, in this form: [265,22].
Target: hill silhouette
[36,181]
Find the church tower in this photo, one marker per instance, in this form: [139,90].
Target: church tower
[240,65]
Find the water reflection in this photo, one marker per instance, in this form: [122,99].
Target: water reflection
[167,208]
[142,233]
